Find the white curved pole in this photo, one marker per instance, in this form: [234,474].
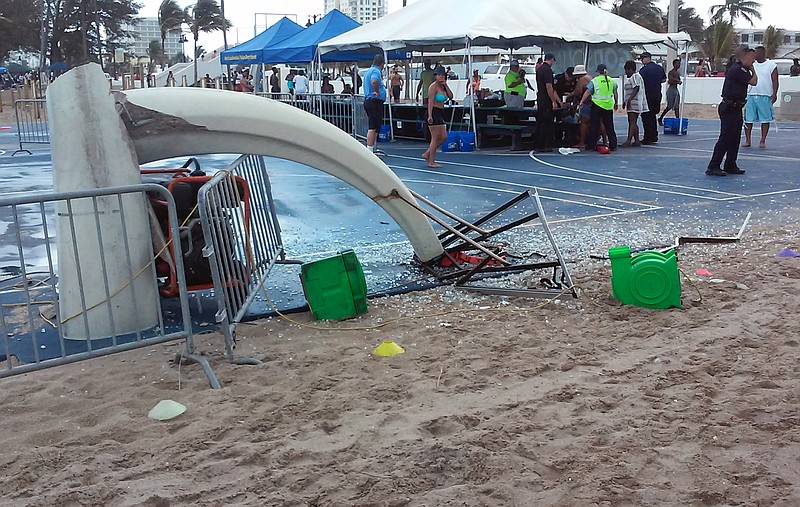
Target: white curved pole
[176,122]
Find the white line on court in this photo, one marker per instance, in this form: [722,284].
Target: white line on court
[460,176]
[607,183]
[478,187]
[765,194]
[683,140]
[636,187]
[741,153]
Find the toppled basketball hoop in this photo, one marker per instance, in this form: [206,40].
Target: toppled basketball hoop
[469,257]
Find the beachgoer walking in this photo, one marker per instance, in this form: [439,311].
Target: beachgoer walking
[602,92]
[673,95]
[761,98]
[653,75]
[634,101]
[438,93]
[374,98]
[734,96]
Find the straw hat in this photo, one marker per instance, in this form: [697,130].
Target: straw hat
[580,70]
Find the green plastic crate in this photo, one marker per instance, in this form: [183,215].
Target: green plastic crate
[335,287]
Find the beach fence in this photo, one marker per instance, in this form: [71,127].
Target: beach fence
[32,128]
[243,240]
[38,328]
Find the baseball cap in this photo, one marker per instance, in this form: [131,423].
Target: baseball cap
[550,56]
[513,62]
[602,68]
[645,55]
[439,70]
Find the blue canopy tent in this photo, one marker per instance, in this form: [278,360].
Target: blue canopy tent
[251,52]
[302,47]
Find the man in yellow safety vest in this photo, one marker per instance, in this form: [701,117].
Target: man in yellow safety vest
[604,101]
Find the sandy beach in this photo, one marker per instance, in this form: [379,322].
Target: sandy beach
[496,402]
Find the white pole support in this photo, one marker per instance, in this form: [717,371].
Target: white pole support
[91,149]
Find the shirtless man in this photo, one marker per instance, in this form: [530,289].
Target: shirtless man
[396,83]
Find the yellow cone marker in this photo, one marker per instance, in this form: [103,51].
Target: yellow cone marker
[387,349]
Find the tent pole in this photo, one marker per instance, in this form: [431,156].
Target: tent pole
[473,96]
[388,94]
[586,55]
[683,85]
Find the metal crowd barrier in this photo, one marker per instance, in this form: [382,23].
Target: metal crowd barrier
[32,128]
[243,240]
[360,120]
[38,329]
[341,110]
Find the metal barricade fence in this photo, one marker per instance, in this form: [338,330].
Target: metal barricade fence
[339,109]
[360,120]
[82,306]
[31,117]
[243,239]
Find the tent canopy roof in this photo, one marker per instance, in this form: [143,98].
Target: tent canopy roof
[251,51]
[302,47]
[432,25]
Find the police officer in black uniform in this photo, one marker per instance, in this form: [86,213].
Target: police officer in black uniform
[734,95]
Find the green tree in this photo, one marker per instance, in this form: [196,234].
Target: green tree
[594,2]
[170,19]
[156,52]
[641,12]
[688,21]
[75,26]
[773,40]
[19,25]
[746,9]
[719,42]
[205,16]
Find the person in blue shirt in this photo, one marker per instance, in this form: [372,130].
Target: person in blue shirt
[653,76]
[438,94]
[374,97]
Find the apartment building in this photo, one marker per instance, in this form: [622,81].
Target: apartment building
[362,11]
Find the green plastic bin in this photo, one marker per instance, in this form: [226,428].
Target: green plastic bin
[648,279]
[335,287]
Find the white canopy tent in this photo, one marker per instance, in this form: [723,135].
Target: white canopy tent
[433,25]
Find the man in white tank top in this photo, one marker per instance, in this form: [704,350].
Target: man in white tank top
[760,98]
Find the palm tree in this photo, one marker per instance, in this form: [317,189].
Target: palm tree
[594,2]
[720,42]
[170,19]
[747,9]
[642,12]
[224,24]
[688,21]
[205,16]
[773,40]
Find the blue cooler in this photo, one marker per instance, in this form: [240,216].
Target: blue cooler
[453,142]
[467,141]
[671,126]
[385,133]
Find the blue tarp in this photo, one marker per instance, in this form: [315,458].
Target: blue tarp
[251,52]
[302,47]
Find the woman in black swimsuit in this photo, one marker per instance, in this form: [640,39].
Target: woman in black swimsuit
[438,94]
